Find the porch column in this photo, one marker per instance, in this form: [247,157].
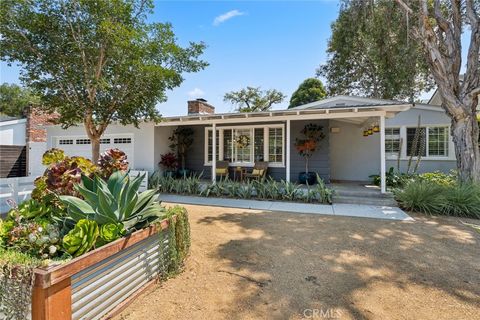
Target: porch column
[287,146]
[214,152]
[383,179]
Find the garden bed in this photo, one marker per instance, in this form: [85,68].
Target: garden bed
[102,281]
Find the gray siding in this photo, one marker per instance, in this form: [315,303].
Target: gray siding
[425,165]
[319,162]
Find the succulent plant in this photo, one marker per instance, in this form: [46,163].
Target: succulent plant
[111,231]
[32,208]
[53,155]
[81,238]
[114,201]
[112,160]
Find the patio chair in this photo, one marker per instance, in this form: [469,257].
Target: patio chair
[259,171]
[222,169]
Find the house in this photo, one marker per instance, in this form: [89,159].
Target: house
[344,155]
[22,143]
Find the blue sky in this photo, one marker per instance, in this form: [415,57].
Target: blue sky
[272,44]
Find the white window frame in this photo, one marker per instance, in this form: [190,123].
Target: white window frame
[403,136]
[252,133]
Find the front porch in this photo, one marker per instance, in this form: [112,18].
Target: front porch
[344,154]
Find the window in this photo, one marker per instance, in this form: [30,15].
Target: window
[261,140]
[83,141]
[65,141]
[104,141]
[416,146]
[275,145]
[392,140]
[438,141]
[122,140]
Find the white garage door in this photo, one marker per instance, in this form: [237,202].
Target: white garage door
[80,145]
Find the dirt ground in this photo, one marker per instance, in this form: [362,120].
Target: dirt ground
[247,264]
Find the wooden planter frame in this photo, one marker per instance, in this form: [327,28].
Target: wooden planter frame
[52,291]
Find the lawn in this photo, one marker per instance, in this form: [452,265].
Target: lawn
[247,264]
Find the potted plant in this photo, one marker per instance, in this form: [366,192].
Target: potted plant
[306,147]
[169,162]
[181,140]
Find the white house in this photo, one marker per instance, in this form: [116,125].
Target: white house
[344,155]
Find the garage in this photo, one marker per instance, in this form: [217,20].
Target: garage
[81,145]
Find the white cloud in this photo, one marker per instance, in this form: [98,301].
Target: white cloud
[196,93]
[227,16]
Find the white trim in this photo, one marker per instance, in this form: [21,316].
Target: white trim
[287,158]
[252,128]
[214,152]
[383,179]
[10,122]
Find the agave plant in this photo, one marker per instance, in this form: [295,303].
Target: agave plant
[116,200]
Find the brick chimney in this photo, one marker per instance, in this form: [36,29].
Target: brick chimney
[200,106]
[36,120]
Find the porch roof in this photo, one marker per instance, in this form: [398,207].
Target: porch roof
[351,113]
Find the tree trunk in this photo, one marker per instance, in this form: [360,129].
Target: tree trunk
[465,137]
[95,148]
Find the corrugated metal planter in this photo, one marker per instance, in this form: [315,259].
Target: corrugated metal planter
[103,281]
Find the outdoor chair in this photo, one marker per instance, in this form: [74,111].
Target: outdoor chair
[259,171]
[222,169]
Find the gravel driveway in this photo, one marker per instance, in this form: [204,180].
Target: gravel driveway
[247,264]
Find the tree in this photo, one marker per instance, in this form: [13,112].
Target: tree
[14,99]
[95,62]
[370,53]
[438,25]
[254,99]
[310,90]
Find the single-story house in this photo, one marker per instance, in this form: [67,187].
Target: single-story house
[345,154]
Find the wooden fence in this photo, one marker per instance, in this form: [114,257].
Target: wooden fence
[13,161]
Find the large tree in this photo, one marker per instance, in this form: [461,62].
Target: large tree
[438,25]
[370,53]
[95,62]
[310,90]
[253,99]
[14,99]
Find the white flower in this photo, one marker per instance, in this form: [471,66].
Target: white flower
[52,250]
[32,238]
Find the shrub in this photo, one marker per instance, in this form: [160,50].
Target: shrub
[392,178]
[462,200]
[444,179]
[423,196]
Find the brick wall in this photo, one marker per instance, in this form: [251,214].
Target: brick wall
[36,122]
[200,106]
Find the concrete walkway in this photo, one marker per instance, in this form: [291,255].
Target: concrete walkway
[351,210]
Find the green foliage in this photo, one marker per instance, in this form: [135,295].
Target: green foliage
[112,160]
[111,231]
[371,53]
[435,198]
[52,156]
[181,140]
[95,61]
[392,178]
[39,238]
[266,189]
[310,90]
[178,239]
[444,179]
[61,175]
[253,99]
[16,282]
[31,209]
[15,99]
[81,238]
[114,201]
